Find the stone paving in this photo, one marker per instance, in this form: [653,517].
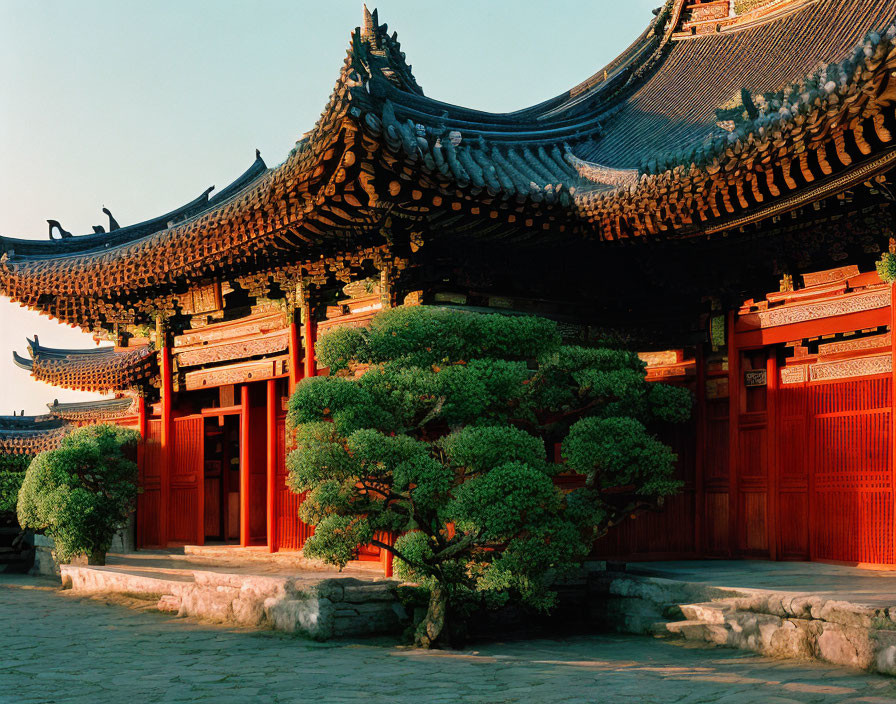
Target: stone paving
[56,647]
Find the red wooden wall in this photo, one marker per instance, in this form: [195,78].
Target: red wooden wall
[813,477]
[291,531]
[257,419]
[669,532]
[714,539]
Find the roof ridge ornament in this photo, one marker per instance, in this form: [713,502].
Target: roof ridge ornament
[54,225]
[369,24]
[113,223]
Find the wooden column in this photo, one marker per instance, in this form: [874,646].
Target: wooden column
[734,385]
[771,433]
[295,359]
[167,428]
[700,453]
[272,465]
[892,405]
[244,465]
[141,416]
[309,330]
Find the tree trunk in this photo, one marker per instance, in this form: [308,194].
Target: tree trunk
[432,625]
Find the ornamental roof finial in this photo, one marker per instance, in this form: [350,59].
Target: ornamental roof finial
[368,24]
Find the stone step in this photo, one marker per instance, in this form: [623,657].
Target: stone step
[689,630]
[776,623]
[708,612]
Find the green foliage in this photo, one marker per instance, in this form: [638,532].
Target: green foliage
[82,492]
[886,267]
[442,440]
[12,473]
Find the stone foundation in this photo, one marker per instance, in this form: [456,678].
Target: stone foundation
[324,609]
[44,562]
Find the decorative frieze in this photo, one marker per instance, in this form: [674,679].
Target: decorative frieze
[855,345]
[244,327]
[830,276]
[843,305]
[656,359]
[846,368]
[264,344]
[794,375]
[236,373]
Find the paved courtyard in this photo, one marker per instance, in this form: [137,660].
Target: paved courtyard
[55,647]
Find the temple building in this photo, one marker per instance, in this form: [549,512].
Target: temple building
[717,196]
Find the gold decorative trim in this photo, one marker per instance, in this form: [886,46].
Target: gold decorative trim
[811,195]
[864,366]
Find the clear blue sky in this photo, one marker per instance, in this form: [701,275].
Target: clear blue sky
[139,106]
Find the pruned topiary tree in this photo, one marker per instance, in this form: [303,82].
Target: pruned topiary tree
[435,425]
[82,492]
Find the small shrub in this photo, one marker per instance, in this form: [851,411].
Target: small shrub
[83,492]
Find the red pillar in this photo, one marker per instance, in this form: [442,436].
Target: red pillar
[387,558]
[733,423]
[295,360]
[272,465]
[771,399]
[244,466]
[167,440]
[893,399]
[310,330]
[700,454]
[141,416]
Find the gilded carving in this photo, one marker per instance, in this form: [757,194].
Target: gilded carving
[794,375]
[863,366]
[254,347]
[788,315]
[862,343]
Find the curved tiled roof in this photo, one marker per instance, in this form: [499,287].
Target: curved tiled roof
[101,370]
[29,435]
[100,241]
[633,151]
[105,409]
[675,108]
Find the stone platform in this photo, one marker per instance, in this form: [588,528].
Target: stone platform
[250,587]
[841,615]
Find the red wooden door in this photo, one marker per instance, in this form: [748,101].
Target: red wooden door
[852,471]
[150,478]
[792,476]
[752,485]
[185,503]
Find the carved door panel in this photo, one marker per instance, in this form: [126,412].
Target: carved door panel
[186,500]
[150,499]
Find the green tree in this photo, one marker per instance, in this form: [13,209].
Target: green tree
[83,492]
[12,473]
[434,424]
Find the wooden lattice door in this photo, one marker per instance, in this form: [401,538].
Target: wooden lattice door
[149,501]
[185,501]
[851,478]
